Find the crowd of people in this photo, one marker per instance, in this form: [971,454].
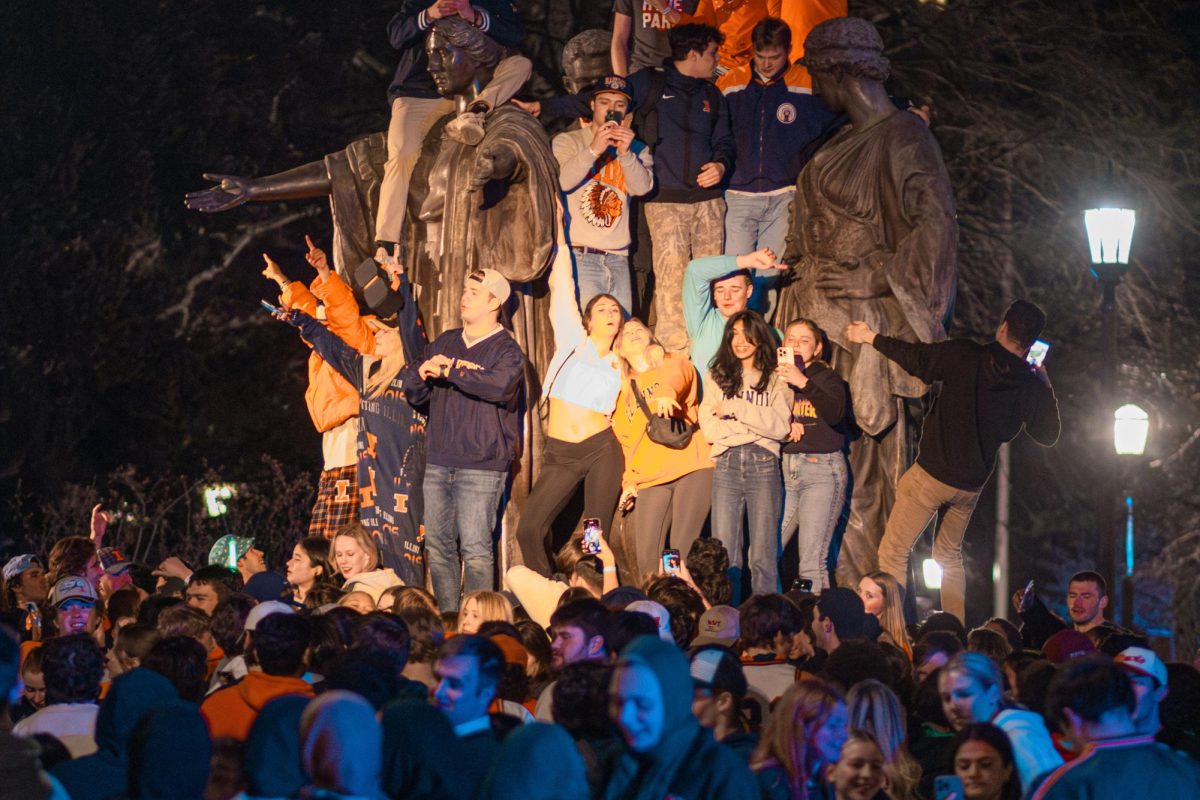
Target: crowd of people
[231,680]
[398,656]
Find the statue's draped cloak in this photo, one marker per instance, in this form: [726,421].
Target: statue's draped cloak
[876,198]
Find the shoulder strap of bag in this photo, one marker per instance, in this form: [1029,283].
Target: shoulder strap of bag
[645,117]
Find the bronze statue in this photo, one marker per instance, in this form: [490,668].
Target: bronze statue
[873,237]
[586,58]
[490,205]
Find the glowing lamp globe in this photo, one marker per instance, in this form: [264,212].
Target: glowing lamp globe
[1109,234]
[1131,426]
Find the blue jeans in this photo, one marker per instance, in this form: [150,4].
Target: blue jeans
[753,221]
[603,273]
[460,514]
[747,480]
[814,487]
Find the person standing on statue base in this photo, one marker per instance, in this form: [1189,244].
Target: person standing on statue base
[989,393]
[601,166]
[471,379]
[417,105]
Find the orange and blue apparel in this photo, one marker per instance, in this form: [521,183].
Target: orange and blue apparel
[331,399]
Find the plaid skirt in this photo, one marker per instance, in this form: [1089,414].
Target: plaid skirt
[337,501]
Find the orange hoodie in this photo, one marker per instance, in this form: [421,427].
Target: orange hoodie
[232,710]
[331,398]
[648,463]
[735,19]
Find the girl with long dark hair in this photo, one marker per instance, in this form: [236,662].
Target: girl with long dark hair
[745,414]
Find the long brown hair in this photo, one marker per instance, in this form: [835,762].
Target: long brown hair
[891,616]
[787,738]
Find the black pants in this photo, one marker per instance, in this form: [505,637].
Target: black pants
[597,461]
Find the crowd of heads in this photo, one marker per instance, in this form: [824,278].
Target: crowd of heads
[810,694]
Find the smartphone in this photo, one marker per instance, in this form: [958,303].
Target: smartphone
[591,536]
[947,787]
[802,584]
[270,308]
[670,561]
[614,116]
[1037,353]
[787,355]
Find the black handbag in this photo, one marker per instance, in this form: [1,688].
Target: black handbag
[667,431]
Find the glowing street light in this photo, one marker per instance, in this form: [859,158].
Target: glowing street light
[1131,426]
[1110,234]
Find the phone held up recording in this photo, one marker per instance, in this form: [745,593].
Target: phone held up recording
[670,561]
[1037,353]
[591,536]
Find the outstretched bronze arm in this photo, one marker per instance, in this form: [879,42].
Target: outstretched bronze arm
[300,183]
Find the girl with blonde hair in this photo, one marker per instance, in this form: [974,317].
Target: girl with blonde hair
[391,433]
[883,596]
[355,557]
[874,708]
[803,736]
[483,606]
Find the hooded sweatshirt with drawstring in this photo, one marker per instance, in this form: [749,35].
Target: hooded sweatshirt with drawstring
[231,711]
[686,761]
[103,774]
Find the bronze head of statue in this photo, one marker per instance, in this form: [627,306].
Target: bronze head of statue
[460,56]
[586,58]
[843,48]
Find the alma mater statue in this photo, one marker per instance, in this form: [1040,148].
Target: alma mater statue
[873,238]
[491,205]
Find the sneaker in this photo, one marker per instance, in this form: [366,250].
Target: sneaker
[467,128]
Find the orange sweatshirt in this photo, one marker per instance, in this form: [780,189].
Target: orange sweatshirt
[736,20]
[648,463]
[804,15]
[232,710]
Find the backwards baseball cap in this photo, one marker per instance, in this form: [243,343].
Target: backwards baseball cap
[718,625]
[718,670]
[659,613]
[613,83]
[19,564]
[228,549]
[494,282]
[1141,661]
[845,608]
[112,561]
[263,610]
[73,587]
[1067,645]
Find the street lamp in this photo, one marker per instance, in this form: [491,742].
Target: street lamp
[1131,426]
[1110,236]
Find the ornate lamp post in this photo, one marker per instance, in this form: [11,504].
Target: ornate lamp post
[1109,235]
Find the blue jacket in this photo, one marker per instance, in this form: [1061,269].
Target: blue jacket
[407,31]
[693,129]
[474,412]
[773,122]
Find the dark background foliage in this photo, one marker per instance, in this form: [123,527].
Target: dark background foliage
[133,348]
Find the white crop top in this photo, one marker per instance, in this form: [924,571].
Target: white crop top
[588,380]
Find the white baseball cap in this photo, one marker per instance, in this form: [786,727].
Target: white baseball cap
[660,615]
[263,610]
